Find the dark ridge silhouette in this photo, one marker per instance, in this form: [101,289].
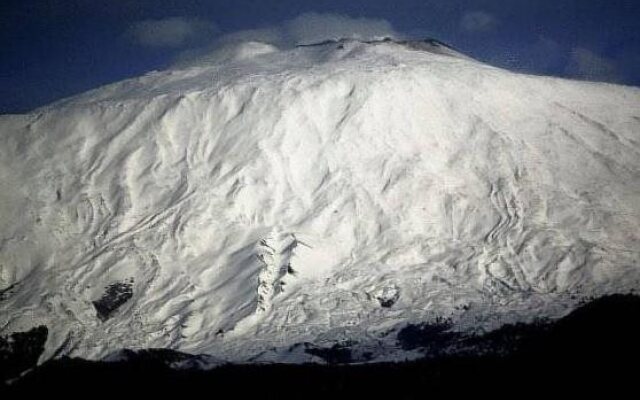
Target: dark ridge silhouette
[339,353]
[593,350]
[411,42]
[20,351]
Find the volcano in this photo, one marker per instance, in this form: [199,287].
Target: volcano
[267,205]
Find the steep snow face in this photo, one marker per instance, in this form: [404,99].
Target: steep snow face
[320,194]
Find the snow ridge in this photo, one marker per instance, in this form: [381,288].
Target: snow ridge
[326,194]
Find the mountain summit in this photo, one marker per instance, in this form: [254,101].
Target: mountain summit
[267,205]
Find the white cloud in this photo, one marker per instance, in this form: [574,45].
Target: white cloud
[170,32]
[224,44]
[586,64]
[478,22]
[314,27]
[304,29]
[544,56]
[274,35]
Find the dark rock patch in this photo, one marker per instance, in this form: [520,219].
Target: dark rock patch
[114,297]
[339,353]
[5,293]
[388,299]
[20,351]
[432,335]
[158,357]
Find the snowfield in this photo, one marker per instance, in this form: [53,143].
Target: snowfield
[331,194]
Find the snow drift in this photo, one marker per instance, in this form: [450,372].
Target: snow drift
[326,194]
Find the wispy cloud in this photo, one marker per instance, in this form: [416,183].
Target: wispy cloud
[544,56]
[586,64]
[273,35]
[314,27]
[478,22]
[304,29]
[170,32]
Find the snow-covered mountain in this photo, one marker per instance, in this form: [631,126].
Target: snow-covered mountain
[263,199]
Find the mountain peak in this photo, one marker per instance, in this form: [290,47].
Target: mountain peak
[325,195]
[430,45]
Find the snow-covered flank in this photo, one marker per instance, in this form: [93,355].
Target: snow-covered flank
[321,194]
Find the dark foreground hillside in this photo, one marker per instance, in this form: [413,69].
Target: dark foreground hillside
[596,349]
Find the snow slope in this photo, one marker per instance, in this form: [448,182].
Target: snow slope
[263,198]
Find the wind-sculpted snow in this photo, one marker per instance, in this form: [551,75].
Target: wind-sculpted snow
[326,194]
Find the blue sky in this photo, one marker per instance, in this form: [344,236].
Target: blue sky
[51,49]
